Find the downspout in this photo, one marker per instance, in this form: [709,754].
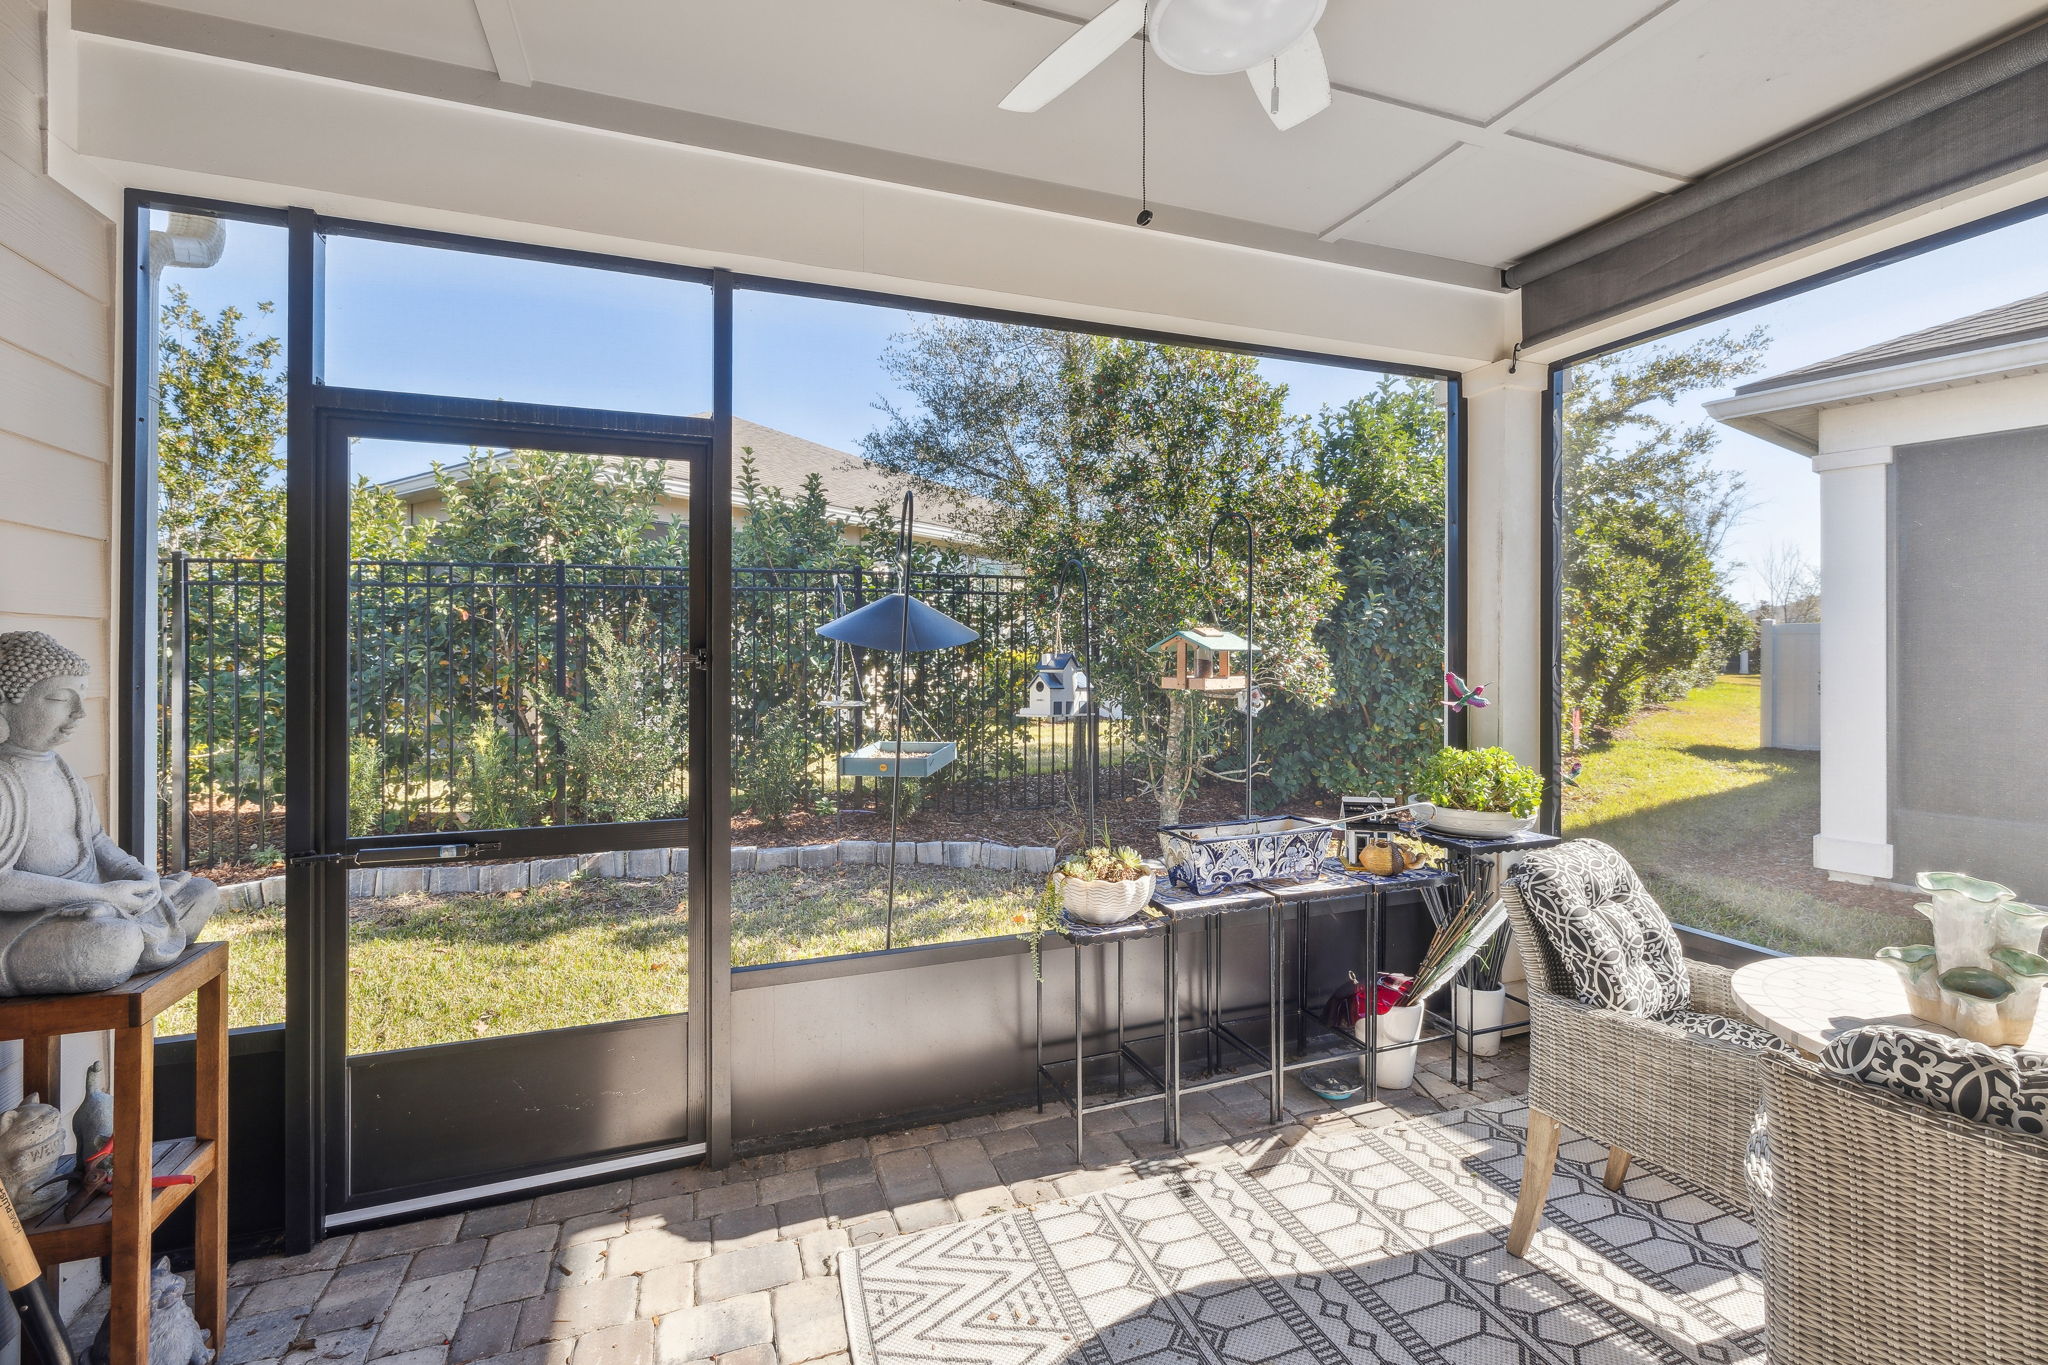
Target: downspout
[192,241]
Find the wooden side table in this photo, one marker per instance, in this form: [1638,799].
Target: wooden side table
[118,1225]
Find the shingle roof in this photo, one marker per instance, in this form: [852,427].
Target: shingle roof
[2015,321]
[784,461]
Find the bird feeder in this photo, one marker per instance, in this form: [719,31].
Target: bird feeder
[1202,659]
[902,625]
[1059,689]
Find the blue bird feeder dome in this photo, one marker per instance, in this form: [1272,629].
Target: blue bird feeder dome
[881,625]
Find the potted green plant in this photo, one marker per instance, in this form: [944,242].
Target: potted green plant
[1104,885]
[1109,885]
[1480,793]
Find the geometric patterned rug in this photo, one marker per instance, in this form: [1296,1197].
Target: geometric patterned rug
[1378,1245]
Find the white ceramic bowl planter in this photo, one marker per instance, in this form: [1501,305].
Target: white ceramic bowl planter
[1479,824]
[1094,902]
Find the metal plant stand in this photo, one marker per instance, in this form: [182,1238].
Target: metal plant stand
[1476,864]
[1123,1051]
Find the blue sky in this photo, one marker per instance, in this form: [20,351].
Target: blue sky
[1967,277]
[451,322]
[403,317]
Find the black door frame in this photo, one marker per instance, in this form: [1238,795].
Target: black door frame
[316,659]
[320,786]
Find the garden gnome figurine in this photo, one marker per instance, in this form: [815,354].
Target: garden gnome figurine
[77,913]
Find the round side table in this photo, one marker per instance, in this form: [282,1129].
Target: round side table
[1808,1000]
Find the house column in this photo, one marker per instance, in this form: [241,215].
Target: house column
[1504,413]
[1854,842]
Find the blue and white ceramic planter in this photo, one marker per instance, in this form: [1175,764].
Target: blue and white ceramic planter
[1212,857]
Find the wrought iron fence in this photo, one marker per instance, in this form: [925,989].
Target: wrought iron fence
[489,695]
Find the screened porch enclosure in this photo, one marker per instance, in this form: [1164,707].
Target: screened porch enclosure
[451,431]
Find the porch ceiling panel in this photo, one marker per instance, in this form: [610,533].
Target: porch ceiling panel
[1707,81]
[1490,204]
[920,79]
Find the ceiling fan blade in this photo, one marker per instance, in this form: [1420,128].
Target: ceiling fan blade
[1302,80]
[1077,56]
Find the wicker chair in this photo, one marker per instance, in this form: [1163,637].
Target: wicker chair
[1643,1088]
[1894,1232]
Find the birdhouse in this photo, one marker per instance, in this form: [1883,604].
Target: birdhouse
[1059,689]
[1202,659]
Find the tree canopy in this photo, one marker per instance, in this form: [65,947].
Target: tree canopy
[1646,613]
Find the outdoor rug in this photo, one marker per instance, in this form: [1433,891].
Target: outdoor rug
[1346,1245]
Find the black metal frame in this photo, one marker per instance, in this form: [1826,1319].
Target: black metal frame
[315,941]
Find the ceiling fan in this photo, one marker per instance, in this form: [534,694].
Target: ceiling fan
[1273,42]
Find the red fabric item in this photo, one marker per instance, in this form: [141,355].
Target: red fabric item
[1389,990]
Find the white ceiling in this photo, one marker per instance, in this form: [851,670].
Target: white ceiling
[1463,132]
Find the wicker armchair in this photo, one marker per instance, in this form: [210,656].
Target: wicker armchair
[1643,1088]
[1895,1232]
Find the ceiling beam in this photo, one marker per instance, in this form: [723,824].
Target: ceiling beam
[152,25]
[501,35]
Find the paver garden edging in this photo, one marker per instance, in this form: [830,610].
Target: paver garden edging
[644,864]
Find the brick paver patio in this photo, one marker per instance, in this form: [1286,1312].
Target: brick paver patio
[732,1266]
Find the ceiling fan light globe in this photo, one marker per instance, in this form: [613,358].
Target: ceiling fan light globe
[1218,37]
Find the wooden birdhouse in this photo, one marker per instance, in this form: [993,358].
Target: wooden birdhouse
[1059,689]
[1202,659]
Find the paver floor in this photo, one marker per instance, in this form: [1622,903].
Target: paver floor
[733,1266]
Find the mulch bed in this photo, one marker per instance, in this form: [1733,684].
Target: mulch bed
[1132,820]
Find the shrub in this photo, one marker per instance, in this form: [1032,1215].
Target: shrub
[623,741]
[773,764]
[1480,779]
[499,792]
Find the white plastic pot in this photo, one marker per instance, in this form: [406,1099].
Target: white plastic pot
[1400,1025]
[1472,1009]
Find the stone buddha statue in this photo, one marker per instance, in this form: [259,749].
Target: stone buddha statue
[77,912]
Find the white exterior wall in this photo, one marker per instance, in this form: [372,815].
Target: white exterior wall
[1854,461]
[1504,555]
[57,416]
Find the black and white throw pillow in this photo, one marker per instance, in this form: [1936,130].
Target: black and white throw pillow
[1608,931]
[2000,1086]
[1722,1029]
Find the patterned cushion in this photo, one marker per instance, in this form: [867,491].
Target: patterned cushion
[1756,1162]
[2001,1086]
[1609,933]
[1722,1029]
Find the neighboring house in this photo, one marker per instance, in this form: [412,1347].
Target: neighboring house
[781,461]
[1932,451]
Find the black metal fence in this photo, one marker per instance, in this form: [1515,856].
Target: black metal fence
[494,695]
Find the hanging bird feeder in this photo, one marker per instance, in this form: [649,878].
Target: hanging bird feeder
[902,625]
[1202,659]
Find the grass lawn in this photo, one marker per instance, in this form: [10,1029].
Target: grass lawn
[1722,829]
[427,969]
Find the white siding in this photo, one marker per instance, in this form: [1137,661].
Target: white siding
[57,385]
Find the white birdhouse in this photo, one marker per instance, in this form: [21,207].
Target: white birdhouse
[1059,689]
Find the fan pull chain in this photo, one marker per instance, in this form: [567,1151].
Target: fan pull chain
[1144,121]
[1276,86]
